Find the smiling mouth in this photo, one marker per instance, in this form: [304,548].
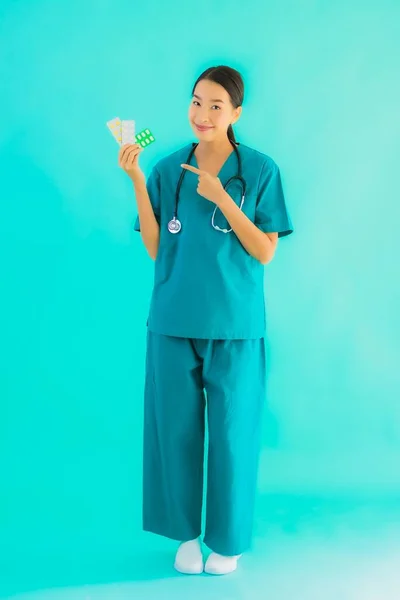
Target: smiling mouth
[203,128]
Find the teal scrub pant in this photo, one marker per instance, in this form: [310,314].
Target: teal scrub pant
[184,378]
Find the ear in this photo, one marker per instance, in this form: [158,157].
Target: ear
[237,114]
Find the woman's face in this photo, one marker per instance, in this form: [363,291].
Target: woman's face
[211,111]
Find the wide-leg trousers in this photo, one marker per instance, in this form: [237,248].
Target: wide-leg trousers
[184,379]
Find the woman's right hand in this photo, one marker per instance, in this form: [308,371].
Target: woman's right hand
[129,160]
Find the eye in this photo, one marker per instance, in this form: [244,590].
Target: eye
[195,102]
[215,106]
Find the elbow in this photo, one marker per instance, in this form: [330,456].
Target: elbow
[267,252]
[266,257]
[152,254]
[151,245]
[152,251]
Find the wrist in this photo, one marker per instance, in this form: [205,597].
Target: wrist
[137,177]
[223,199]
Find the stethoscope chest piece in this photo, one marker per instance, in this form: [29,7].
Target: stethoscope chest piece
[174,226]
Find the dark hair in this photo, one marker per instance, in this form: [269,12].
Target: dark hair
[231,80]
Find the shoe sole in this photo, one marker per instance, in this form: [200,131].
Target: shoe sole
[192,572]
[213,572]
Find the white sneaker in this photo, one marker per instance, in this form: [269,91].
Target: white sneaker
[221,565]
[189,558]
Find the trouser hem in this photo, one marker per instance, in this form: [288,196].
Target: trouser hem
[170,535]
[225,550]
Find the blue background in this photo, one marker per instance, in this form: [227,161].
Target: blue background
[322,98]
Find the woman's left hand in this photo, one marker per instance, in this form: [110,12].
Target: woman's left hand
[209,187]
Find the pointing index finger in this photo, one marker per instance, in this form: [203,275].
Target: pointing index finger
[193,169]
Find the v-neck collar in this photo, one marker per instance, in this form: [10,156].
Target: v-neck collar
[227,161]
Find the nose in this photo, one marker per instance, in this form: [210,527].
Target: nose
[203,117]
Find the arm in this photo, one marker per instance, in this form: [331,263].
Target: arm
[270,214]
[260,245]
[149,228]
[129,161]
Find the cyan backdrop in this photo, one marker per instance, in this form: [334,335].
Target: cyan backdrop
[322,98]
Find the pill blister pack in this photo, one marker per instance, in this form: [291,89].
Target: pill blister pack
[145,138]
[124,133]
[115,127]
[128,132]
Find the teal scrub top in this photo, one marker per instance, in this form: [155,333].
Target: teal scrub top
[206,285]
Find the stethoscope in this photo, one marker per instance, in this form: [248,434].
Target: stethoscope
[175,226]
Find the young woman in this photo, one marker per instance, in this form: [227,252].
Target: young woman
[210,216]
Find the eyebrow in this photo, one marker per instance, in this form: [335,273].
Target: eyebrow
[212,100]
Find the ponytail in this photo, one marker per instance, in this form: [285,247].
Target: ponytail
[231,135]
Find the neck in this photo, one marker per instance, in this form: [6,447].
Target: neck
[216,147]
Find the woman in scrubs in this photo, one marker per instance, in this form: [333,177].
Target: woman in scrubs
[206,326]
